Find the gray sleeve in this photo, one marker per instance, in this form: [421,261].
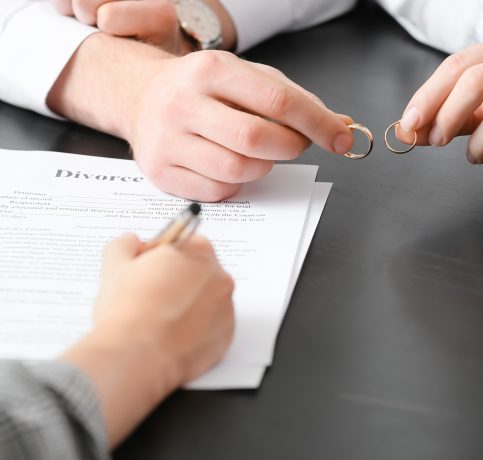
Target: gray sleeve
[49,411]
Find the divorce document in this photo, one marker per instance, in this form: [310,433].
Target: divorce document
[57,211]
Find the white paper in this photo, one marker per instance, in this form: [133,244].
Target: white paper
[225,376]
[58,210]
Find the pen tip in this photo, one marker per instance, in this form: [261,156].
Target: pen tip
[195,208]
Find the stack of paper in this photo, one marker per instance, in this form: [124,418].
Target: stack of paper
[58,210]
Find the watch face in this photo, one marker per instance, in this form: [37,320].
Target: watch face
[199,20]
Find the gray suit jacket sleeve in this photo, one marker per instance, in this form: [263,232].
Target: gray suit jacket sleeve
[49,411]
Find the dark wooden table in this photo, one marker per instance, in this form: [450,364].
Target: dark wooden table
[381,352]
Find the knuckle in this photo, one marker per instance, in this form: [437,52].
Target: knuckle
[158,173]
[271,71]
[81,6]
[158,12]
[248,137]
[233,169]
[473,79]
[105,17]
[314,98]
[203,65]
[85,11]
[215,193]
[318,129]
[165,13]
[159,25]
[277,101]
[152,163]
[456,64]
[277,73]
[219,191]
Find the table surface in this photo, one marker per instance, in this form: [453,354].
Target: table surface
[381,352]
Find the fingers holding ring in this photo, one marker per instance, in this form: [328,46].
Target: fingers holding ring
[390,147]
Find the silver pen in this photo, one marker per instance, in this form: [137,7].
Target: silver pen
[179,229]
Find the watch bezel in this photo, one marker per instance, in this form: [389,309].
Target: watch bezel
[199,41]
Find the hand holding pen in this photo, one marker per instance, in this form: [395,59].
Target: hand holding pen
[163,316]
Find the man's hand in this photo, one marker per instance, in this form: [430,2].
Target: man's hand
[150,21]
[199,125]
[209,122]
[449,104]
[162,318]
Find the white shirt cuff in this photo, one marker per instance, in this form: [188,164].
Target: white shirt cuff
[35,45]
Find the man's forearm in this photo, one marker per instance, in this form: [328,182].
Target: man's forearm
[100,85]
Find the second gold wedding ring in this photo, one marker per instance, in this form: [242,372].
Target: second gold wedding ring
[392,149]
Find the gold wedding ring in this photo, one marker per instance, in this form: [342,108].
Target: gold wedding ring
[392,149]
[370,138]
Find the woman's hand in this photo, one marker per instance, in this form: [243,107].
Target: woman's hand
[449,104]
[162,318]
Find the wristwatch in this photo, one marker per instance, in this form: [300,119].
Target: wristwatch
[200,24]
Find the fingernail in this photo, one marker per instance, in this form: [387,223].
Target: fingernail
[471,158]
[410,119]
[342,143]
[436,137]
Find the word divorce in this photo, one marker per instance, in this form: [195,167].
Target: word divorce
[99,177]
